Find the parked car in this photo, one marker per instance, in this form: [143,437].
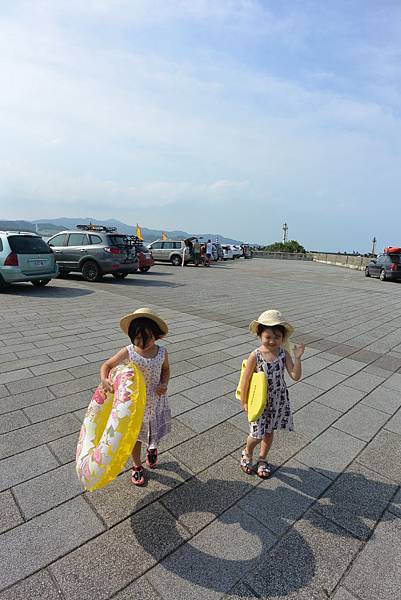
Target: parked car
[219,250]
[227,252]
[24,256]
[385,266]
[145,257]
[237,251]
[94,251]
[170,251]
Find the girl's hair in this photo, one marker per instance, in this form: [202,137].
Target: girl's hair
[144,328]
[274,328]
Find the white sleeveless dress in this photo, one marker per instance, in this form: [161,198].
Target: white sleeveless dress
[157,417]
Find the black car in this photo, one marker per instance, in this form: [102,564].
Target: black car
[385,266]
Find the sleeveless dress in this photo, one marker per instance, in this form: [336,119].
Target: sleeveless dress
[277,414]
[157,416]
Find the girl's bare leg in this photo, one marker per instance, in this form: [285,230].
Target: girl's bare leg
[266,445]
[251,444]
[136,454]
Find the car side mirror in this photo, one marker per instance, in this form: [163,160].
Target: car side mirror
[374,261]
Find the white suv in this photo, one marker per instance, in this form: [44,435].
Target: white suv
[170,251]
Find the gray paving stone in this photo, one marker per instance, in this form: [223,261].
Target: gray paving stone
[343,594]
[382,455]
[364,381]
[10,515]
[331,452]
[25,465]
[34,351]
[35,435]
[12,363]
[383,399]
[11,403]
[210,373]
[314,418]
[58,365]
[207,415]
[65,447]
[307,563]
[17,375]
[393,382]
[208,447]
[86,369]
[389,363]
[180,383]
[356,500]
[92,571]
[120,498]
[48,490]
[199,501]
[362,422]
[41,381]
[314,365]
[365,356]
[180,404]
[59,406]
[342,350]
[181,368]
[282,499]
[394,424]
[241,591]
[347,366]
[377,571]
[138,590]
[303,393]
[209,391]
[60,530]
[3,391]
[74,387]
[179,433]
[210,564]
[37,587]
[341,397]
[11,421]
[325,380]
[395,506]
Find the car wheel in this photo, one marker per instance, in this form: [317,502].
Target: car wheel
[3,284]
[144,269]
[367,274]
[176,261]
[120,275]
[40,282]
[382,275]
[91,271]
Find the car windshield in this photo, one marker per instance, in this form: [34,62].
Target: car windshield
[28,244]
[118,240]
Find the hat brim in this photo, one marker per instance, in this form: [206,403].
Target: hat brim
[127,320]
[253,327]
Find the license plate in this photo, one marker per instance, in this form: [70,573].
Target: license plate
[38,262]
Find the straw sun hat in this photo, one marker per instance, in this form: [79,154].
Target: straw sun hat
[270,318]
[143,312]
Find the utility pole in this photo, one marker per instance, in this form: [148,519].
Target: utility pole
[285,232]
[374,246]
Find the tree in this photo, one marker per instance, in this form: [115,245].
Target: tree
[290,246]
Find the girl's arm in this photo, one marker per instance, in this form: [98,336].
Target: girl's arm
[249,369]
[294,368]
[164,376]
[110,363]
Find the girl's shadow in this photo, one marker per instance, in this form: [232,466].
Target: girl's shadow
[240,537]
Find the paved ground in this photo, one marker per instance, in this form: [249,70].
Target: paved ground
[326,525]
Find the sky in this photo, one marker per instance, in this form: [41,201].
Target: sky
[228,116]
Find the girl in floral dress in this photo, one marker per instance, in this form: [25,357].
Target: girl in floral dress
[272,357]
[144,328]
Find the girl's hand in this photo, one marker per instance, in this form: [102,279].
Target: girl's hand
[106,385]
[161,389]
[244,406]
[298,351]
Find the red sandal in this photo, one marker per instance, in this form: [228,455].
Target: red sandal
[151,457]
[138,475]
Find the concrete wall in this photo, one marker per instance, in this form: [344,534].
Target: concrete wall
[351,261]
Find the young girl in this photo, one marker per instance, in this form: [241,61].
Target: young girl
[272,357]
[144,328]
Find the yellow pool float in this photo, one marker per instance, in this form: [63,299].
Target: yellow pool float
[257,393]
[111,427]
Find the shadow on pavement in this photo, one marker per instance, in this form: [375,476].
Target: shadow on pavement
[49,291]
[344,511]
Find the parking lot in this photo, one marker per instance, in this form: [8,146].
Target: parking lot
[325,525]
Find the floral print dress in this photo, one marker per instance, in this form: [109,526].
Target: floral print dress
[157,417]
[277,414]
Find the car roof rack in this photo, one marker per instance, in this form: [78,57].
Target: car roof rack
[92,227]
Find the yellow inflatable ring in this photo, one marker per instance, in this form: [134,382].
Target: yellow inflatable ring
[111,427]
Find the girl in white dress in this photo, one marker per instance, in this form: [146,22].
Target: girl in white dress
[144,328]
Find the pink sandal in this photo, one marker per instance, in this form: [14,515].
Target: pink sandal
[138,475]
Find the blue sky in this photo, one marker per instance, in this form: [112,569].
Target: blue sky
[205,115]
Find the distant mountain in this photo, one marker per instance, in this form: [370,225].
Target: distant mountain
[149,234]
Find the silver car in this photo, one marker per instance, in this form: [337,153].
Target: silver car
[170,251]
[24,256]
[95,251]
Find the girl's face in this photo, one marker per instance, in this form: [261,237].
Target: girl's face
[271,340]
[150,342]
